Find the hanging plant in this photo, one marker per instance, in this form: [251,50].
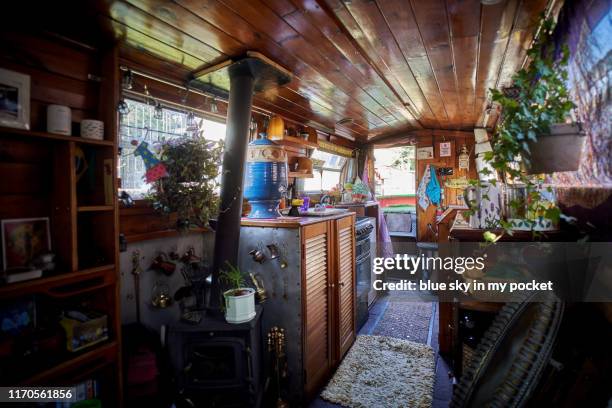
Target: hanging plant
[189,189]
[538,101]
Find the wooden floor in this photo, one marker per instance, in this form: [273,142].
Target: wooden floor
[442,386]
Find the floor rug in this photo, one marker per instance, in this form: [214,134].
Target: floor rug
[380,371]
[407,320]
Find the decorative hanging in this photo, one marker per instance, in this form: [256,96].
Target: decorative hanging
[464,158]
[155,169]
[213,106]
[127,80]
[158,113]
[123,108]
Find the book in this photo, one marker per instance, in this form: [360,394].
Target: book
[13,277]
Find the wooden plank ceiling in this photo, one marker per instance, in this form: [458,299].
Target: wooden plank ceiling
[391,66]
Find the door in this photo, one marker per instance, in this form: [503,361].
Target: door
[344,233]
[317,293]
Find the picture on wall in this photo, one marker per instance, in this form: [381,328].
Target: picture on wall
[23,240]
[425,153]
[14,99]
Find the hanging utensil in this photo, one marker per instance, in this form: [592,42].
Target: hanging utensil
[136,271]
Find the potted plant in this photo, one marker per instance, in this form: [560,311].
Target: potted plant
[534,113]
[532,137]
[189,188]
[239,299]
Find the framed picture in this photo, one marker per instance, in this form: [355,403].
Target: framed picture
[14,99]
[425,153]
[23,240]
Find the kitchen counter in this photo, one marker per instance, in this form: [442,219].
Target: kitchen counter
[351,205]
[476,235]
[291,222]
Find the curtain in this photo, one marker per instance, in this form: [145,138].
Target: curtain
[385,247]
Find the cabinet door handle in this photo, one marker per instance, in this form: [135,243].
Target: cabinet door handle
[342,284]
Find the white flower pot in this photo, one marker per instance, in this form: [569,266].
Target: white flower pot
[239,309]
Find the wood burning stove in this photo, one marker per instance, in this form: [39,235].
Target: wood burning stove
[217,364]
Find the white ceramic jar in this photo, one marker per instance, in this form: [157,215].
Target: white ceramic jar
[59,120]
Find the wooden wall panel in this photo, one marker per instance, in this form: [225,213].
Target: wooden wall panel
[58,75]
[428,216]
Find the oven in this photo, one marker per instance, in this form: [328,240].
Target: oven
[365,244]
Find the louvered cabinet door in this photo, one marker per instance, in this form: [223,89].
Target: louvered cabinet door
[317,304]
[345,264]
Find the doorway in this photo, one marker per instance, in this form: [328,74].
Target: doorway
[395,174]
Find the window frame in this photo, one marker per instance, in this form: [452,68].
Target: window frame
[139,194]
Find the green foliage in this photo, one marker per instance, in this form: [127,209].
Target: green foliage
[542,100]
[406,159]
[232,277]
[189,188]
[539,99]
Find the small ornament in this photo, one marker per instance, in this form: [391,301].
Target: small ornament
[123,108]
[158,112]
[464,158]
[127,80]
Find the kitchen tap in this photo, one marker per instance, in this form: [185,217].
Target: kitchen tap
[325,199]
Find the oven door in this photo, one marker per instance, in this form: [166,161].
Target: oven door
[363,266]
[362,246]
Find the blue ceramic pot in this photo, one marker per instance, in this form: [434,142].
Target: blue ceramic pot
[265,180]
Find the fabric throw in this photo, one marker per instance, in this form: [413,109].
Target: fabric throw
[422,198]
[433,187]
[380,371]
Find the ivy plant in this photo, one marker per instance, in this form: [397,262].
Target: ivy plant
[190,187]
[537,99]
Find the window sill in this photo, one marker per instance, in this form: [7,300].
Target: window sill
[142,223]
[149,236]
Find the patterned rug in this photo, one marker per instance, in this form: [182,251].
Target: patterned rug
[380,371]
[407,320]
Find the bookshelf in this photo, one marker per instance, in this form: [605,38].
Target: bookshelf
[42,179]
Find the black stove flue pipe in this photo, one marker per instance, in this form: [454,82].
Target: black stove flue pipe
[227,231]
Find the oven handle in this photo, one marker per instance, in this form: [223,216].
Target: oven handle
[362,238]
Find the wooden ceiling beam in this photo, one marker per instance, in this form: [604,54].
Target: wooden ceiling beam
[409,137]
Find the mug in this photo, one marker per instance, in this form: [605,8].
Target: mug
[92,129]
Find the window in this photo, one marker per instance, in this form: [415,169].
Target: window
[141,124]
[327,176]
[395,171]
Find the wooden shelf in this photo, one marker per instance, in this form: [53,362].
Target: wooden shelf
[297,174]
[44,285]
[106,353]
[91,208]
[45,184]
[295,142]
[4,131]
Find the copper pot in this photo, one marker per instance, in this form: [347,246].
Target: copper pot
[304,164]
